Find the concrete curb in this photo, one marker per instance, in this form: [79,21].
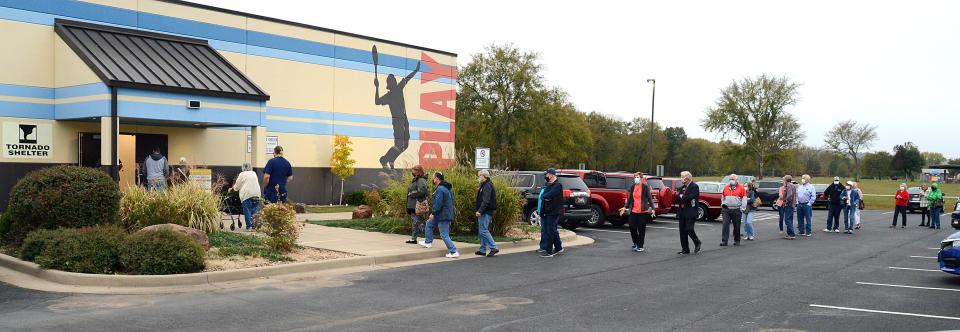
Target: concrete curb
[70,279]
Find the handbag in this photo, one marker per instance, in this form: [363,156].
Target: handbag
[757,203]
[938,203]
[422,207]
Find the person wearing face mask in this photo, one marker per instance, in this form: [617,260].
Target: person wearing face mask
[935,198]
[550,206]
[789,199]
[851,199]
[833,193]
[441,216]
[734,197]
[806,195]
[902,198]
[417,195]
[689,195]
[639,208]
[486,207]
[924,205]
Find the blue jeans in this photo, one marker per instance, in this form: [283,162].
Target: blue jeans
[250,207]
[935,217]
[748,224]
[849,217]
[486,239]
[417,225]
[549,235]
[788,220]
[805,218]
[444,234]
[156,184]
[780,214]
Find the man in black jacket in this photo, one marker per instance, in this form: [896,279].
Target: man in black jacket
[486,207]
[550,205]
[689,195]
[834,205]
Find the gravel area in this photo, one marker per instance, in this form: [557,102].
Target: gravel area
[304,254]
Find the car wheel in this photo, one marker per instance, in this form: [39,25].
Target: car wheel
[597,218]
[701,212]
[533,218]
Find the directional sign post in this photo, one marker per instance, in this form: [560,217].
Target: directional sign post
[482,160]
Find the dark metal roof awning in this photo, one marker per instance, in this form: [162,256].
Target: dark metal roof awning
[145,60]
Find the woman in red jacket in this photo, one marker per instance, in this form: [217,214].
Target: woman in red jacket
[639,209]
[902,197]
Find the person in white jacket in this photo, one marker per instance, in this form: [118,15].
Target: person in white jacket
[248,186]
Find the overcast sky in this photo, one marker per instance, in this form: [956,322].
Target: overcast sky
[891,64]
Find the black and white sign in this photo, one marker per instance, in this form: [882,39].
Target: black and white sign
[483,158]
[27,140]
[272,142]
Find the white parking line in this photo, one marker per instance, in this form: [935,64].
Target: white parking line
[891,212]
[883,312]
[934,248]
[610,231]
[911,269]
[913,287]
[923,257]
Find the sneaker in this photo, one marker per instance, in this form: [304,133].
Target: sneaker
[453,255]
[696,248]
[781,232]
[683,252]
[546,255]
[480,253]
[634,246]
[808,235]
[638,249]
[836,231]
[858,226]
[426,245]
[561,251]
[411,242]
[736,243]
[894,226]
[723,244]
[493,252]
[826,230]
[541,251]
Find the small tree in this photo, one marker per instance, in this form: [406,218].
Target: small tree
[850,138]
[343,166]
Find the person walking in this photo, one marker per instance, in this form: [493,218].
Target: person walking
[441,216]
[860,204]
[550,205]
[486,207]
[688,198]
[834,206]
[779,206]
[851,200]
[749,210]
[276,174]
[924,205]
[248,188]
[902,198]
[789,205]
[417,194]
[806,195]
[157,170]
[935,198]
[731,203]
[639,209]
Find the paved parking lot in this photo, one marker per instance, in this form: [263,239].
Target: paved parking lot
[879,279]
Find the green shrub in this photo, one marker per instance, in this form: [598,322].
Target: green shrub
[161,252]
[357,198]
[4,225]
[238,244]
[182,204]
[85,250]
[279,223]
[34,243]
[61,196]
[465,185]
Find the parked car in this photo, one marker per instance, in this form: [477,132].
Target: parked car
[822,200]
[768,191]
[576,207]
[949,255]
[607,196]
[662,194]
[915,196]
[955,216]
[709,202]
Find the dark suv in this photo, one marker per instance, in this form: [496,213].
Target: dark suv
[576,206]
[769,192]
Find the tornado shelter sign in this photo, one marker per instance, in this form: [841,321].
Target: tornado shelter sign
[23,140]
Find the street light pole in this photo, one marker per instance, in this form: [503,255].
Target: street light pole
[653,99]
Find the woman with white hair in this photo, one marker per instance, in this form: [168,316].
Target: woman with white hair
[248,187]
[902,200]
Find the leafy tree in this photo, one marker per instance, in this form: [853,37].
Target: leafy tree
[933,158]
[851,138]
[676,136]
[877,165]
[699,156]
[752,110]
[607,145]
[340,162]
[840,166]
[907,159]
[953,161]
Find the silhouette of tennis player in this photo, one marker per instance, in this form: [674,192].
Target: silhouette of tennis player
[398,109]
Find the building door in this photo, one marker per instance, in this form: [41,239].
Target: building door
[145,144]
[89,150]
[127,149]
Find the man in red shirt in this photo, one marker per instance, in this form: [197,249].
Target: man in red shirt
[732,203]
[902,197]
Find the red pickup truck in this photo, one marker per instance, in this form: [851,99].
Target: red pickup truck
[710,198]
[608,193]
[662,195]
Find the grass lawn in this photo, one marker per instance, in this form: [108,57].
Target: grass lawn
[237,244]
[382,226]
[329,209]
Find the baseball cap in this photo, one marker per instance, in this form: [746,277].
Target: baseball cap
[551,171]
[836,178]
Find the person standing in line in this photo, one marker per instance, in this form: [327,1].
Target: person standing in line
[276,174]
[441,216]
[789,205]
[833,194]
[851,199]
[157,170]
[417,193]
[551,209]
[749,211]
[689,196]
[935,198]
[733,199]
[779,205]
[924,205]
[806,195]
[248,189]
[486,207]
[902,198]
[860,204]
[639,209]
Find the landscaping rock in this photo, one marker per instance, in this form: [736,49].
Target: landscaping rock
[192,233]
[362,212]
[300,208]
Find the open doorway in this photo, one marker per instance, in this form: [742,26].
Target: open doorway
[132,150]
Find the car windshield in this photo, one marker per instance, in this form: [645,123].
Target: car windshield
[519,180]
[820,187]
[709,187]
[914,190]
[572,182]
[655,184]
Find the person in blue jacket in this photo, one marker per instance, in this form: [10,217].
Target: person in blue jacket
[550,208]
[851,200]
[441,216]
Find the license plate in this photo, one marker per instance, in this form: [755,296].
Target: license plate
[581,201]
